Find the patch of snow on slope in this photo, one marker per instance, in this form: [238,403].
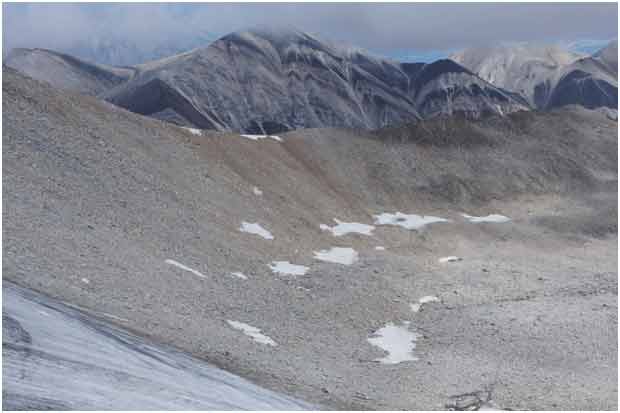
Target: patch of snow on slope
[257,137]
[380,248]
[407,221]
[610,113]
[345,256]
[186,268]
[257,191]
[426,299]
[451,258]
[253,332]
[239,275]
[489,218]
[193,131]
[286,268]
[343,228]
[397,341]
[256,229]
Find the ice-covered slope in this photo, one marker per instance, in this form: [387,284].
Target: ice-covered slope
[55,357]
[66,72]
[267,81]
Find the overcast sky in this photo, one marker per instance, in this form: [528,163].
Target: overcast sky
[396,30]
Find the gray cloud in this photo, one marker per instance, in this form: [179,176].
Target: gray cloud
[383,28]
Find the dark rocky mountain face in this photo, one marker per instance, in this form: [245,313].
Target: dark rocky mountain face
[591,82]
[267,82]
[446,88]
[585,89]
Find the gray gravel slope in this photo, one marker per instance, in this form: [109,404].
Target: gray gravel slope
[95,193]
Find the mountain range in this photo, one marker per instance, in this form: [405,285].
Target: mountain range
[548,76]
[264,81]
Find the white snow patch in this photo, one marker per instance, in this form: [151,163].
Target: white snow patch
[257,137]
[397,341]
[256,229]
[239,275]
[380,248]
[610,113]
[253,332]
[345,256]
[451,258]
[407,221]
[343,228]
[257,191]
[286,268]
[193,131]
[186,268]
[85,280]
[426,299]
[488,218]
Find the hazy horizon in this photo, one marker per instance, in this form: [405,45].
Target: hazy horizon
[121,33]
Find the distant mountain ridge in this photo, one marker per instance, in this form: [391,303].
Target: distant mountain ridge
[117,50]
[67,72]
[548,76]
[268,81]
